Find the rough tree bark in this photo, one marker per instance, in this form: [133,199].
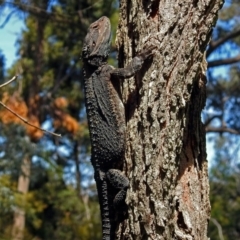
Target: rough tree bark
[165,153]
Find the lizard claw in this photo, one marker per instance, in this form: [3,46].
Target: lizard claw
[146,53]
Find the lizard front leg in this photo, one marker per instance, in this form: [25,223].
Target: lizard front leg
[135,65]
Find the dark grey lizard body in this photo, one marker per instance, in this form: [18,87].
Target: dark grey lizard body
[105,112]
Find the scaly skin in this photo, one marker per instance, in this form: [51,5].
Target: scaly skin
[105,112]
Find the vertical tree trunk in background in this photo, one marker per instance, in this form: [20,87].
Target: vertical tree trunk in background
[165,153]
[23,186]
[84,198]
[33,114]
[77,166]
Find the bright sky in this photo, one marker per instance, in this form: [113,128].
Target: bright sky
[8,36]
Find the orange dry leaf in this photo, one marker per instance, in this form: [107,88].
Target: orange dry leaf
[34,102]
[34,133]
[61,102]
[67,122]
[70,124]
[17,105]
[63,119]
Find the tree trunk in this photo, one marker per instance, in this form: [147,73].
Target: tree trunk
[166,160]
[23,187]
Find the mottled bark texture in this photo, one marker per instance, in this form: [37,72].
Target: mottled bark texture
[165,153]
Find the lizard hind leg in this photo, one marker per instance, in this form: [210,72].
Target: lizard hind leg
[120,182]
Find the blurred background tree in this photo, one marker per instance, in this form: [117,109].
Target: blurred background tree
[47,189]
[221,117]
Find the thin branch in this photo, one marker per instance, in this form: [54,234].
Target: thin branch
[7,19]
[222,130]
[8,82]
[63,79]
[219,227]
[40,12]
[227,61]
[28,123]
[208,121]
[59,17]
[214,44]
[20,117]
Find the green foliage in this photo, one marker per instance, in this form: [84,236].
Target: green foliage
[61,201]
[225,196]
[221,117]
[56,212]
[7,201]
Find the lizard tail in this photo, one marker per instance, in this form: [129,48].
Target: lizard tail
[105,211]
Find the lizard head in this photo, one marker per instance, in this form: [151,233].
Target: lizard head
[97,41]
